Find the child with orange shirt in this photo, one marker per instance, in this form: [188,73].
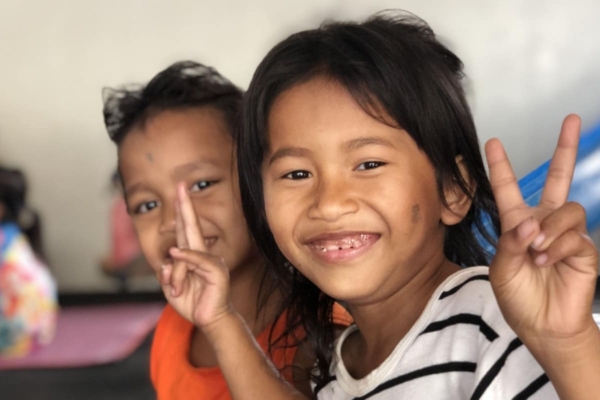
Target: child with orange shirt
[178,130]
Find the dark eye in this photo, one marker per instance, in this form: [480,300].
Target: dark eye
[369,165]
[146,207]
[297,175]
[201,185]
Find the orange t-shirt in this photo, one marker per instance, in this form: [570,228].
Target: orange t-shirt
[173,376]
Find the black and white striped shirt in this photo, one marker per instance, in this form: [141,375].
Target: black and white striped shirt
[460,348]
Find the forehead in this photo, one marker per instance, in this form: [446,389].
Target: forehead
[312,103]
[172,138]
[322,109]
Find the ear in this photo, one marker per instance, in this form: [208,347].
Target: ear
[459,202]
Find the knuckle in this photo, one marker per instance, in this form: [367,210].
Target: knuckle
[501,182]
[569,241]
[577,208]
[558,173]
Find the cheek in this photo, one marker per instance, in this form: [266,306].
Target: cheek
[407,202]
[149,243]
[282,210]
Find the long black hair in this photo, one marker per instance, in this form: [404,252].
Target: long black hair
[391,62]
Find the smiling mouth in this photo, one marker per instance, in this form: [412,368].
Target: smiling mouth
[342,246]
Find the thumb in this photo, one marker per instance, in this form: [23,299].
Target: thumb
[512,250]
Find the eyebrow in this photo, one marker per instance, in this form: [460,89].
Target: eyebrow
[289,151]
[358,143]
[178,172]
[193,166]
[354,144]
[129,190]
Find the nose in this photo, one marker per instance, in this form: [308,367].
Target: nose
[167,223]
[333,199]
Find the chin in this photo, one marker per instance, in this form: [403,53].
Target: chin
[347,288]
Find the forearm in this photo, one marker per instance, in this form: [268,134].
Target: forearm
[571,364]
[247,370]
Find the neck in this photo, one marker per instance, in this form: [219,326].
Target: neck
[384,322]
[246,297]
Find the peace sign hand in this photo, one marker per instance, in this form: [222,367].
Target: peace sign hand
[197,284]
[545,269]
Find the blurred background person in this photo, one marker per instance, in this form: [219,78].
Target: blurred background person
[28,298]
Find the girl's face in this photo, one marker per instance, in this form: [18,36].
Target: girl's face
[352,202]
[191,146]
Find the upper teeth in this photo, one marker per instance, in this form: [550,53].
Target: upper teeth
[351,242]
[344,246]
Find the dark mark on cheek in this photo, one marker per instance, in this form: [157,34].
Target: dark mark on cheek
[150,157]
[416,215]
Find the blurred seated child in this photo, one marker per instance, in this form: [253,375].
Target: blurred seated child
[28,299]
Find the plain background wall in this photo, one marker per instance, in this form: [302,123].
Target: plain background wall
[529,63]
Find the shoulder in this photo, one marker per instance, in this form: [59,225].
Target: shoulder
[171,328]
[468,293]
[171,338]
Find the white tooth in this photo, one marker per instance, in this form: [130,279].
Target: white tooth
[331,247]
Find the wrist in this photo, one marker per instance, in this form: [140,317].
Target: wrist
[565,352]
[226,322]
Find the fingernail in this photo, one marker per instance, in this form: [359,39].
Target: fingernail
[541,259]
[175,250]
[526,228]
[538,241]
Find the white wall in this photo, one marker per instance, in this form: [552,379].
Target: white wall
[529,64]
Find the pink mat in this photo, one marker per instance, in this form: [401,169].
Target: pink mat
[92,335]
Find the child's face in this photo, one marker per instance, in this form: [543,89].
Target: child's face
[191,146]
[352,202]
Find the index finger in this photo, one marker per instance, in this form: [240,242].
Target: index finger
[193,232]
[562,166]
[504,183]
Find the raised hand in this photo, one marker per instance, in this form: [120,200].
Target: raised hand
[197,284]
[545,269]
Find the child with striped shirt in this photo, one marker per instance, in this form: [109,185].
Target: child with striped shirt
[362,182]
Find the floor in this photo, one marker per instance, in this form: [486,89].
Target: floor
[126,380]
